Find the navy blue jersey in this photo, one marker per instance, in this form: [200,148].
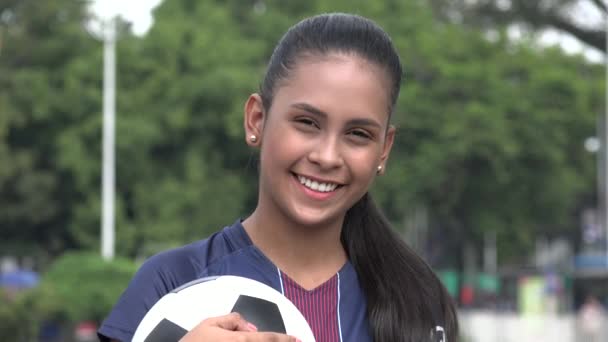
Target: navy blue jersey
[336,310]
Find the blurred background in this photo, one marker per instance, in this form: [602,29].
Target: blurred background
[121,136]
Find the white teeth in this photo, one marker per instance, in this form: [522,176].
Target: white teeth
[316,186]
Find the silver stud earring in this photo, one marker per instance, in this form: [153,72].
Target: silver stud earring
[253,138]
[379,169]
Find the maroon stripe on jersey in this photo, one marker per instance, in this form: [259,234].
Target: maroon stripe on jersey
[319,306]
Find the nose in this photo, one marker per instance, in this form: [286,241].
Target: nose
[327,153]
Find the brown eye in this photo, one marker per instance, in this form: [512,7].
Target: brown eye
[360,134]
[307,122]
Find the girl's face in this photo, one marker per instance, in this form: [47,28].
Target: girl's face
[322,140]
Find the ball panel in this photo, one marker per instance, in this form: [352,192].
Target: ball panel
[155,315]
[166,331]
[263,314]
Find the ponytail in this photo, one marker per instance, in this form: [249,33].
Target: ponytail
[405,299]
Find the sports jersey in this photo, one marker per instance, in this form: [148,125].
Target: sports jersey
[335,310]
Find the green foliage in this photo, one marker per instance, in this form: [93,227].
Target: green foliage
[489,136]
[77,287]
[81,286]
[503,150]
[36,106]
[17,320]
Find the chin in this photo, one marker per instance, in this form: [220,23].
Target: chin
[316,219]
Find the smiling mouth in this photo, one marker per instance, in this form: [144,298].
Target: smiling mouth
[316,185]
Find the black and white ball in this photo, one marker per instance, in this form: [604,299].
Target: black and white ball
[181,310]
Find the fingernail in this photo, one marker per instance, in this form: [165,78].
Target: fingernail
[253,327]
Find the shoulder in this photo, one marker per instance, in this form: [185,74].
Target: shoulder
[177,266]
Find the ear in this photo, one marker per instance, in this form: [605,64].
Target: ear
[254,120]
[386,148]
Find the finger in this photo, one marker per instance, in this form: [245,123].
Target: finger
[232,322]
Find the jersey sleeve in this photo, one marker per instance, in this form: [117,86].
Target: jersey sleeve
[152,281]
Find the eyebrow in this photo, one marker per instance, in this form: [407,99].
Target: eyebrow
[317,112]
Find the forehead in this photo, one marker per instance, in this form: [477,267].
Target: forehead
[337,84]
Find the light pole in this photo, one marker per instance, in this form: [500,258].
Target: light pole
[109,118]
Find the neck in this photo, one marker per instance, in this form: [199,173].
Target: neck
[308,254]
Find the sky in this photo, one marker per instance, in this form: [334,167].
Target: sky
[583,13]
[138,12]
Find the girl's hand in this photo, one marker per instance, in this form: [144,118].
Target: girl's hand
[232,327]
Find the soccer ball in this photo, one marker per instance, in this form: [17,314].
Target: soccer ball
[181,310]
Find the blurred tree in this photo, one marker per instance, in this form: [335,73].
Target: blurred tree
[470,146]
[80,286]
[39,97]
[492,139]
[563,15]
[490,132]
[77,287]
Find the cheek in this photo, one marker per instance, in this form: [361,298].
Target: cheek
[365,163]
[279,148]
[281,140]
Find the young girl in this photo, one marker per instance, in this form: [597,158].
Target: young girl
[321,122]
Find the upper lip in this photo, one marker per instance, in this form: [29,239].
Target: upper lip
[317,179]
